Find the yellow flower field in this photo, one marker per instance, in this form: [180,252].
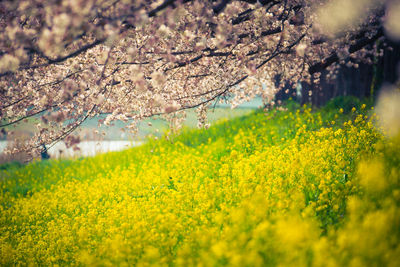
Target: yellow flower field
[277,188]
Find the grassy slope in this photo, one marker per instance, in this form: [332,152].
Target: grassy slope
[116,131]
[272,126]
[265,188]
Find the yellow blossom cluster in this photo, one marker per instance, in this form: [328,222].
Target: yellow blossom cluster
[295,187]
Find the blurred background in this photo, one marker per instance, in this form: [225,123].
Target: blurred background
[97,138]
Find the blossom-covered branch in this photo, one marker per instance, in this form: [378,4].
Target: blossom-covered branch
[159,57]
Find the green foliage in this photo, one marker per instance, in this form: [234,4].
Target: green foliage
[346,103]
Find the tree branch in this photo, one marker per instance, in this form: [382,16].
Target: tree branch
[333,58]
[220,7]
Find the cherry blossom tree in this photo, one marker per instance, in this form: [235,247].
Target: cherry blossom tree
[68,60]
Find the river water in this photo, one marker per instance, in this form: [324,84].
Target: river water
[111,133]
[86,148]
